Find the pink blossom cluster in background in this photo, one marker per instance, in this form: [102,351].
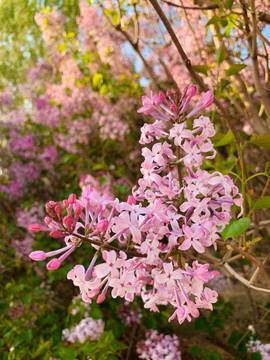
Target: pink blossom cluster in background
[159,347]
[262,349]
[72,98]
[128,315]
[6,97]
[24,218]
[87,180]
[88,328]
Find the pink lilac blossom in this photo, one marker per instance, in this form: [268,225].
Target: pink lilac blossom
[88,328]
[23,146]
[128,316]
[262,349]
[6,97]
[158,347]
[177,206]
[23,247]
[87,180]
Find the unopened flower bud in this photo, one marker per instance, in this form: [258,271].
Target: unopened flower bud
[191,91]
[50,208]
[100,298]
[173,107]
[68,220]
[131,200]
[38,255]
[65,203]
[72,199]
[34,227]
[53,264]
[162,96]
[58,209]
[55,234]
[157,100]
[47,220]
[102,225]
[77,209]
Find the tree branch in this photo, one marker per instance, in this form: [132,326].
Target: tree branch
[195,76]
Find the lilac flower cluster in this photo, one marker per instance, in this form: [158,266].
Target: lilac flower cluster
[158,347]
[128,316]
[24,218]
[140,244]
[88,328]
[258,346]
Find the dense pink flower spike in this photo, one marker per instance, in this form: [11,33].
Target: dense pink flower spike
[139,246]
[159,347]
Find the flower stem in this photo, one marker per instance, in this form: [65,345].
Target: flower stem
[243,182]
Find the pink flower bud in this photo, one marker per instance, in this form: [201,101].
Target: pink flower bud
[55,234]
[94,293]
[68,220]
[100,298]
[77,209]
[58,209]
[38,255]
[157,100]
[162,96]
[102,225]
[34,227]
[65,203]
[53,264]
[72,199]
[173,107]
[131,200]
[47,220]
[191,91]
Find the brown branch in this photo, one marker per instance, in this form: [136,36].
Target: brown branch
[209,7]
[264,17]
[249,105]
[243,280]
[195,76]
[252,42]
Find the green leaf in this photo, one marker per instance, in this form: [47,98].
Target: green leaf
[29,335]
[68,353]
[235,336]
[103,90]
[234,69]
[62,47]
[229,3]
[236,227]
[261,140]
[262,203]
[18,340]
[256,356]
[97,79]
[221,53]
[203,69]
[27,298]
[213,20]
[196,351]
[213,355]
[118,345]
[227,139]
